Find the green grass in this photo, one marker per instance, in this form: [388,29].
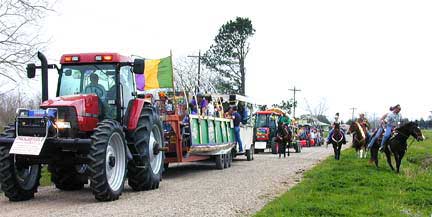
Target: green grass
[46,177]
[351,187]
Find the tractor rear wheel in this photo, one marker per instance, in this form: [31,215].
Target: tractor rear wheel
[148,140]
[67,178]
[107,165]
[19,182]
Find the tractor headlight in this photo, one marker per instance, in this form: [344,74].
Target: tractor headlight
[63,125]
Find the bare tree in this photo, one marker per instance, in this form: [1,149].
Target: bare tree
[318,110]
[11,102]
[19,36]
[186,78]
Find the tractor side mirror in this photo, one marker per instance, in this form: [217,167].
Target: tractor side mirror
[31,70]
[138,66]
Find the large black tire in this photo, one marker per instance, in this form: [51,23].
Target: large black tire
[107,167]
[297,147]
[250,153]
[220,161]
[17,184]
[147,178]
[166,166]
[274,146]
[67,178]
[226,160]
[230,158]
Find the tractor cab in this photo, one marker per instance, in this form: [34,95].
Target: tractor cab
[107,76]
[265,125]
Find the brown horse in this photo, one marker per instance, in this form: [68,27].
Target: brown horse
[359,139]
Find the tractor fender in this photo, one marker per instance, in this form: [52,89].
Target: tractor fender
[133,112]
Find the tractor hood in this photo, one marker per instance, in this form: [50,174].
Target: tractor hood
[85,104]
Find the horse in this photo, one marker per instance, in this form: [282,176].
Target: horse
[283,138]
[397,144]
[359,139]
[337,140]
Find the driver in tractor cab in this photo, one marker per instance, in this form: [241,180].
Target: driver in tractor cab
[95,87]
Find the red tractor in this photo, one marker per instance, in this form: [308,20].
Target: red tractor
[98,128]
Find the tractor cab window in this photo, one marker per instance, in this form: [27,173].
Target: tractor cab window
[98,79]
[127,86]
[262,121]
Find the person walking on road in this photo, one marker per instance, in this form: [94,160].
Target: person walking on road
[237,120]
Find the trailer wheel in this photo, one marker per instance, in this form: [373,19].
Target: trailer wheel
[67,178]
[297,147]
[166,166]
[107,165]
[250,153]
[230,159]
[19,183]
[219,159]
[274,146]
[148,140]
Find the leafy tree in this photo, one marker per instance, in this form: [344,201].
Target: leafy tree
[285,105]
[228,53]
[323,118]
[263,107]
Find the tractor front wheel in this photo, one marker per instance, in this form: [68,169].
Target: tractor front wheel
[19,182]
[107,165]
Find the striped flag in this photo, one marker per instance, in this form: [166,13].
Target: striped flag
[157,74]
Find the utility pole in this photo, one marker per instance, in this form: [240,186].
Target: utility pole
[199,69]
[353,109]
[374,120]
[294,90]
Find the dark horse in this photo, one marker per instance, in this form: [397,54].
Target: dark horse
[397,144]
[359,139]
[337,140]
[283,138]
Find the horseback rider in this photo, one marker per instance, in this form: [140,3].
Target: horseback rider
[336,122]
[363,121]
[389,122]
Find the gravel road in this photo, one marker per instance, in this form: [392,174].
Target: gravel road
[195,189]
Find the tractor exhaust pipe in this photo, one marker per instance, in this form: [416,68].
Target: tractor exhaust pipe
[44,69]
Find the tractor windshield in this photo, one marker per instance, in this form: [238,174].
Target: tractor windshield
[262,120]
[97,79]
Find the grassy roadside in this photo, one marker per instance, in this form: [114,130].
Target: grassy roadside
[46,176]
[351,187]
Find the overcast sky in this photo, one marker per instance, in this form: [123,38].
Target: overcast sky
[364,54]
